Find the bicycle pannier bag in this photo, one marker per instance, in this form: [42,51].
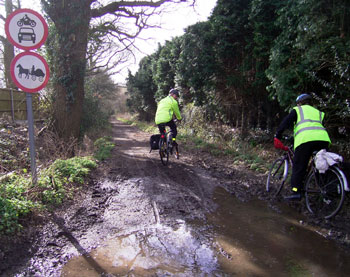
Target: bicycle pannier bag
[154,142]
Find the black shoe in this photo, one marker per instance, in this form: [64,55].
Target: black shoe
[293,197]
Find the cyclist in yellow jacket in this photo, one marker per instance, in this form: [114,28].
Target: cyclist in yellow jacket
[309,136]
[166,109]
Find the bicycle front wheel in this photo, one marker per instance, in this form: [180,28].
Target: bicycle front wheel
[278,175]
[324,193]
[163,152]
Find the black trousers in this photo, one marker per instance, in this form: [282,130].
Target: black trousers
[302,155]
[172,126]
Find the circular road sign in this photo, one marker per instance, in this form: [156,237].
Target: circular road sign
[29,71]
[26,29]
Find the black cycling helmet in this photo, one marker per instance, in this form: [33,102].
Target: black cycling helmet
[303,97]
[174,91]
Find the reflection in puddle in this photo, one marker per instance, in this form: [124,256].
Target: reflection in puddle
[156,251]
[253,240]
[247,239]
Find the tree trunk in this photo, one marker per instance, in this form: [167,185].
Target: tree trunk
[71,20]
[9,54]
[68,49]
[9,51]
[244,129]
[259,114]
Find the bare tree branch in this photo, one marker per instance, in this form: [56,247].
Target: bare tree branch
[2,39]
[116,6]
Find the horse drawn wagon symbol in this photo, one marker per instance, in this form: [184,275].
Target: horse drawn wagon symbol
[35,73]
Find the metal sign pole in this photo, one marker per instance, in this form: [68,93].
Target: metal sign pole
[28,60]
[31,137]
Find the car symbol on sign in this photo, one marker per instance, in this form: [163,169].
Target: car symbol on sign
[27,34]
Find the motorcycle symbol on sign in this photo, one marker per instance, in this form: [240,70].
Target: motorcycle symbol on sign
[25,20]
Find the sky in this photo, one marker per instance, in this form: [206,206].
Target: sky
[172,24]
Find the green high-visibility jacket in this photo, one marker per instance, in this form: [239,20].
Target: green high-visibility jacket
[309,125]
[167,107]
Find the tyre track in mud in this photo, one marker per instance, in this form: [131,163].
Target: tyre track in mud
[121,198]
[179,179]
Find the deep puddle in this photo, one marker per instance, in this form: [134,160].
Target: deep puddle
[256,241]
[156,251]
[249,239]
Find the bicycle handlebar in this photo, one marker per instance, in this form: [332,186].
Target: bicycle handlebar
[279,145]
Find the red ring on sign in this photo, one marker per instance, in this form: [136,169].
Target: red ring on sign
[14,77]
[15,43]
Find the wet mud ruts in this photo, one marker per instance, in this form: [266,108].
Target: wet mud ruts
[133,191]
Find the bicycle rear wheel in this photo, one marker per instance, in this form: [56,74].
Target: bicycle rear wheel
[324,193]
[278,175]
[163,152]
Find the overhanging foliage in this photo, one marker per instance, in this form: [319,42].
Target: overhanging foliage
[248,62]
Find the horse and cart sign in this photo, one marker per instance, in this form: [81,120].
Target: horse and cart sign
[29,71]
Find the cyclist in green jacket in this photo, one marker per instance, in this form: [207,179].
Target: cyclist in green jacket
[166,109]
[309,136]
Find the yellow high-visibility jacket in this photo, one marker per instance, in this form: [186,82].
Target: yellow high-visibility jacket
[167,107]
[309,125]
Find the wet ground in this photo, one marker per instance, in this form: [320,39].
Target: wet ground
[195,217]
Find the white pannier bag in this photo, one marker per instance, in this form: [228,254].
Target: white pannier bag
[326,159]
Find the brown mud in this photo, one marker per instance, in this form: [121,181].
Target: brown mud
[197,216]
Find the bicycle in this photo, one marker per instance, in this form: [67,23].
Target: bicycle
[166,147]
[324,192]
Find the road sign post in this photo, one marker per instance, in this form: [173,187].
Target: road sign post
[31,137]
[27,30]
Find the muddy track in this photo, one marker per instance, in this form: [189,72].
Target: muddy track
[124,194]
[130,194]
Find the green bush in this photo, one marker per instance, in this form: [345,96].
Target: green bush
[103,148]
[14,203]
[52,189]
[19,197]
[54,180]
[74,169]
[94,117]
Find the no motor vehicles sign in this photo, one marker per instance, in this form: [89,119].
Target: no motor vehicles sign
[26,29]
